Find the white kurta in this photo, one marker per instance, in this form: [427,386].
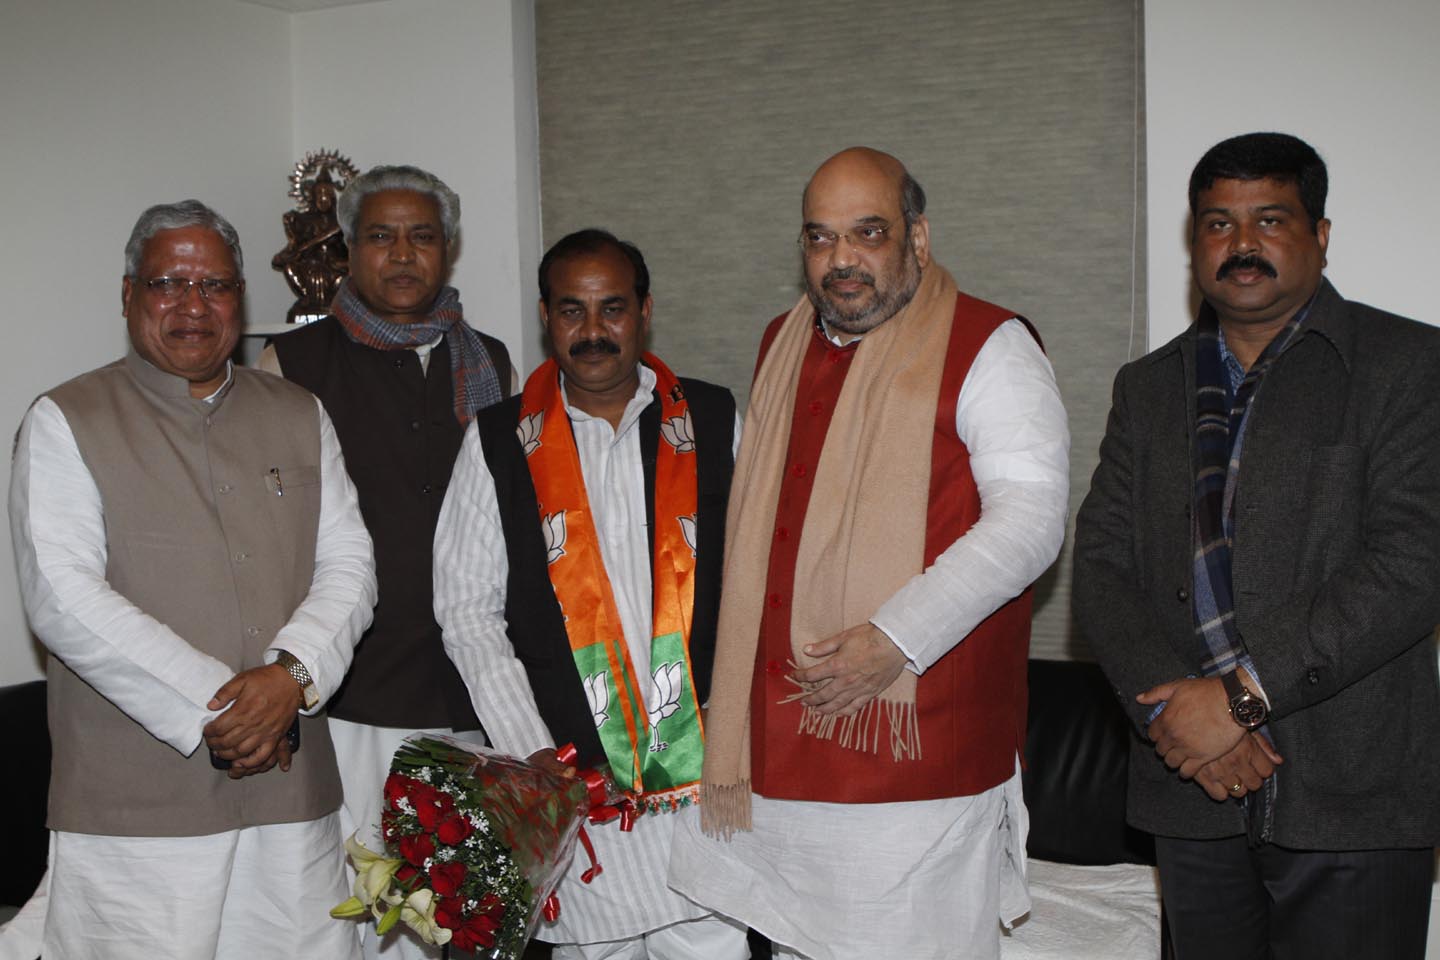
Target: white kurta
[164,684]
[471,567]
[926,879]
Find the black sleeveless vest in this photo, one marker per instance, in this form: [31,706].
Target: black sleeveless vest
[397,428]
[532,614]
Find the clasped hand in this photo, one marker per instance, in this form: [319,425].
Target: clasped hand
[1197,737]
[855,665]
[263,703]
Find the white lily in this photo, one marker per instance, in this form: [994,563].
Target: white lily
[373,874]
[418,913]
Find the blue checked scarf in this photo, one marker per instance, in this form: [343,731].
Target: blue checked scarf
[471,370]
[1219,438]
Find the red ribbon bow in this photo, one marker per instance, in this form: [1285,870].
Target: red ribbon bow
[600,810]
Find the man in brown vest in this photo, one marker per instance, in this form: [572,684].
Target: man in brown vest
[196,574]
[902,480]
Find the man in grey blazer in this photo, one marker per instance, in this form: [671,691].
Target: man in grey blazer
[1257,567]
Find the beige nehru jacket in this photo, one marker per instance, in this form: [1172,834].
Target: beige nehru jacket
[197,538]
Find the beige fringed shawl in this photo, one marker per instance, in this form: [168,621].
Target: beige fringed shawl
[864,534]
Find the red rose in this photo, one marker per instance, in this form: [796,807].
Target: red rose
[417,848]
[430,804]
[428,814]
[395,788]
[445,878]
[491,906]
[450,912]
[405,874]
[453,829]
[475,932]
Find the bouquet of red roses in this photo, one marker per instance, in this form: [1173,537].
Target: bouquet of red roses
[477,842]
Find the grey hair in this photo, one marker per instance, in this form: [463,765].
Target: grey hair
[176,216]
[912,200]
[376,179]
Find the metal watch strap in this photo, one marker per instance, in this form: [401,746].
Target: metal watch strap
[297,671]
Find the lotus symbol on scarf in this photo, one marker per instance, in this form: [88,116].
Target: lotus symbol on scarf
[666,685]
[678,432]
[687,530]
[528,430]
[597,691]
[553,526]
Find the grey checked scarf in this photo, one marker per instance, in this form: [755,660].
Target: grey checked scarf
[1219,438]
[472,372]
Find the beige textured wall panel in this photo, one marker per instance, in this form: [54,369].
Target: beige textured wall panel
[691,128]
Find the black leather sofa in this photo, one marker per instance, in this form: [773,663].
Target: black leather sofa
[27,779]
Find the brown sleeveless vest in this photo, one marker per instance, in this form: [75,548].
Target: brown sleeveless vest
[197,539]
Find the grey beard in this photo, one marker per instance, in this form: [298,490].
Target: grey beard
[863,320]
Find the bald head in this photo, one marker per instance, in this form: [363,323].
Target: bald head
[869,173]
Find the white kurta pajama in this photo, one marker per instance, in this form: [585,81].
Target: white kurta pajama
[838,881]
[260,890]
[630,898]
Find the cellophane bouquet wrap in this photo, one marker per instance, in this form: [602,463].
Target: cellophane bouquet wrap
[476,840]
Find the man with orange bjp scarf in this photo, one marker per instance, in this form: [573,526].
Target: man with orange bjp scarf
[577,575]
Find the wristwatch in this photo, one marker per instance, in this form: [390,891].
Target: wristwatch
[1246,708]
[297,670]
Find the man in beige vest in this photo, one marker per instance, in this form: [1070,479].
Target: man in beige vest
[197,574]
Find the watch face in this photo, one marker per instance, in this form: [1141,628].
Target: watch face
[1249,710]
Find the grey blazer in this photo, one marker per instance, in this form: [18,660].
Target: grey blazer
[1336,569]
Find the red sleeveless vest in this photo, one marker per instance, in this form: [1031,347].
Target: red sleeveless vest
[971,703]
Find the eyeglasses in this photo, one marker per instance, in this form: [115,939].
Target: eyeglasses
[867,236]
[172,289]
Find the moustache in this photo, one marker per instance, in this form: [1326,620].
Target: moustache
[847,273]
[602,346]
[1251,261]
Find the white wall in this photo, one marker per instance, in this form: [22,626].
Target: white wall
[1358,81]
[108,107]
[105,109]
[447,85]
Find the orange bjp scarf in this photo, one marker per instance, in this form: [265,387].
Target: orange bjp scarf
[655,750]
